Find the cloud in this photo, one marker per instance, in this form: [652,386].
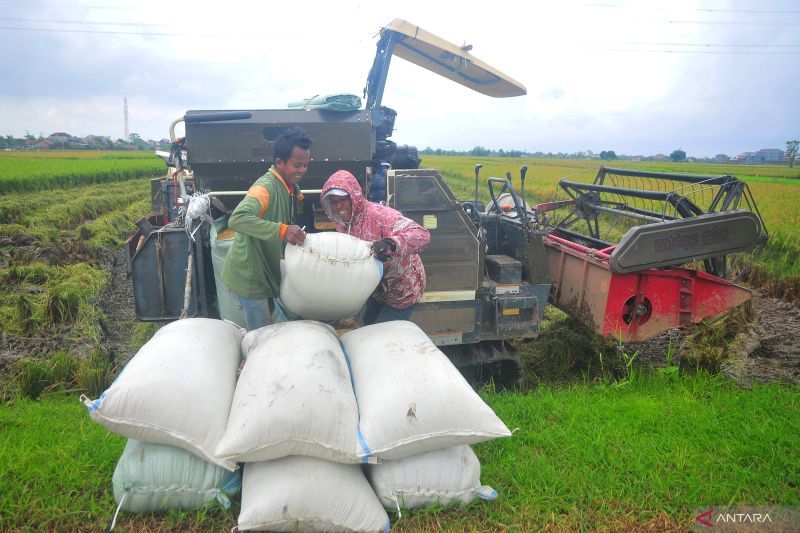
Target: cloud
[627,76]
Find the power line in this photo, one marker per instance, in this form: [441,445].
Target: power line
[725,22]
[86,22]
[116,8]
[740,47]
[705,9]
[152,33]
[706,52]
[732,45]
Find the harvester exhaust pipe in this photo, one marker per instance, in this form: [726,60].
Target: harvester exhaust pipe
[478,168]
[522,171]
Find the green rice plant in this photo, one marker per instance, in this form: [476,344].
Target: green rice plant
[94,373]
[20,171]
[31,377]
[109,229]
[63,368]
[73,206]
[26,313]
[38,298]
[63,302]
[143,332]
[26,235]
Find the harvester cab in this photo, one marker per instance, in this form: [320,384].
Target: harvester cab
[490,269]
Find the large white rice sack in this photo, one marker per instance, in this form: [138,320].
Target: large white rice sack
[294,397]
[308,494]
[177,389]
[447,476]
[329,277]
[156,477]
[411,398]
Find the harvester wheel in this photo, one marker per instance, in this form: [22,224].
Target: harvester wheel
[487,362]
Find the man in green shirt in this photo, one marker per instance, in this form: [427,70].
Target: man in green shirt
[263,225]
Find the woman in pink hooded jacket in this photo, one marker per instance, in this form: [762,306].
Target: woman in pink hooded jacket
[396,240]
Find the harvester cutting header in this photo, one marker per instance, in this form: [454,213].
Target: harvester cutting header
[617,259]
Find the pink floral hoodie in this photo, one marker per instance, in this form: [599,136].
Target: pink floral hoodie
[403,275]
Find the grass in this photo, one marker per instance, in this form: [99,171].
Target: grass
[585,456]
[605,457]
[37,171]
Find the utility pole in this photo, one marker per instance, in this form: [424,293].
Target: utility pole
[125,114]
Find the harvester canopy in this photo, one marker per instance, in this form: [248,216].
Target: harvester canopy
[404,39]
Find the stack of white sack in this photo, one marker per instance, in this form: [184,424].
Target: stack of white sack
[329,277]
[294,422]
[176,392]
[295,398]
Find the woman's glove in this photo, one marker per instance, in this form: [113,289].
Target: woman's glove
[384,249]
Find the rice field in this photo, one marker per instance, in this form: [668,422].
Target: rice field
[37,171]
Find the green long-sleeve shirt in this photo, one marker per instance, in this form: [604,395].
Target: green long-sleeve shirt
[252,266]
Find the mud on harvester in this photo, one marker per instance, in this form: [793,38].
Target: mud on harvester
[490,269]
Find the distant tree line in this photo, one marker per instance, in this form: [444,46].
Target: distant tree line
[91,142]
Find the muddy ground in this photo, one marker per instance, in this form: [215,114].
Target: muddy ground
[769,349]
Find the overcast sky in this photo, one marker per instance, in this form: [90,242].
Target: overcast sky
[708,76]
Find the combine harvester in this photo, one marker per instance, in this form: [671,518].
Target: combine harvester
[490,270]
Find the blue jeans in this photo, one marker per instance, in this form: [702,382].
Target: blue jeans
[375,312]
[257,313]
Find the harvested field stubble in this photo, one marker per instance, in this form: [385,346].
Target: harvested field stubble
[54,262]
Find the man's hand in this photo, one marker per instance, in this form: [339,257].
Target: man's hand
[384,249]
[294,235]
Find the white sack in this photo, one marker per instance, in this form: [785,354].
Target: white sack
[329,277]
[410,396]
[177,389]
[156,477]
[294,397]
[227,301]
[448,476]
[308,494]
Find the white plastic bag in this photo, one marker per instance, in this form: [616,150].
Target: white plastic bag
[156,477]
[308,494]
[177,389]
[329,277]
[411,398]
[294,397]
[447,476]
